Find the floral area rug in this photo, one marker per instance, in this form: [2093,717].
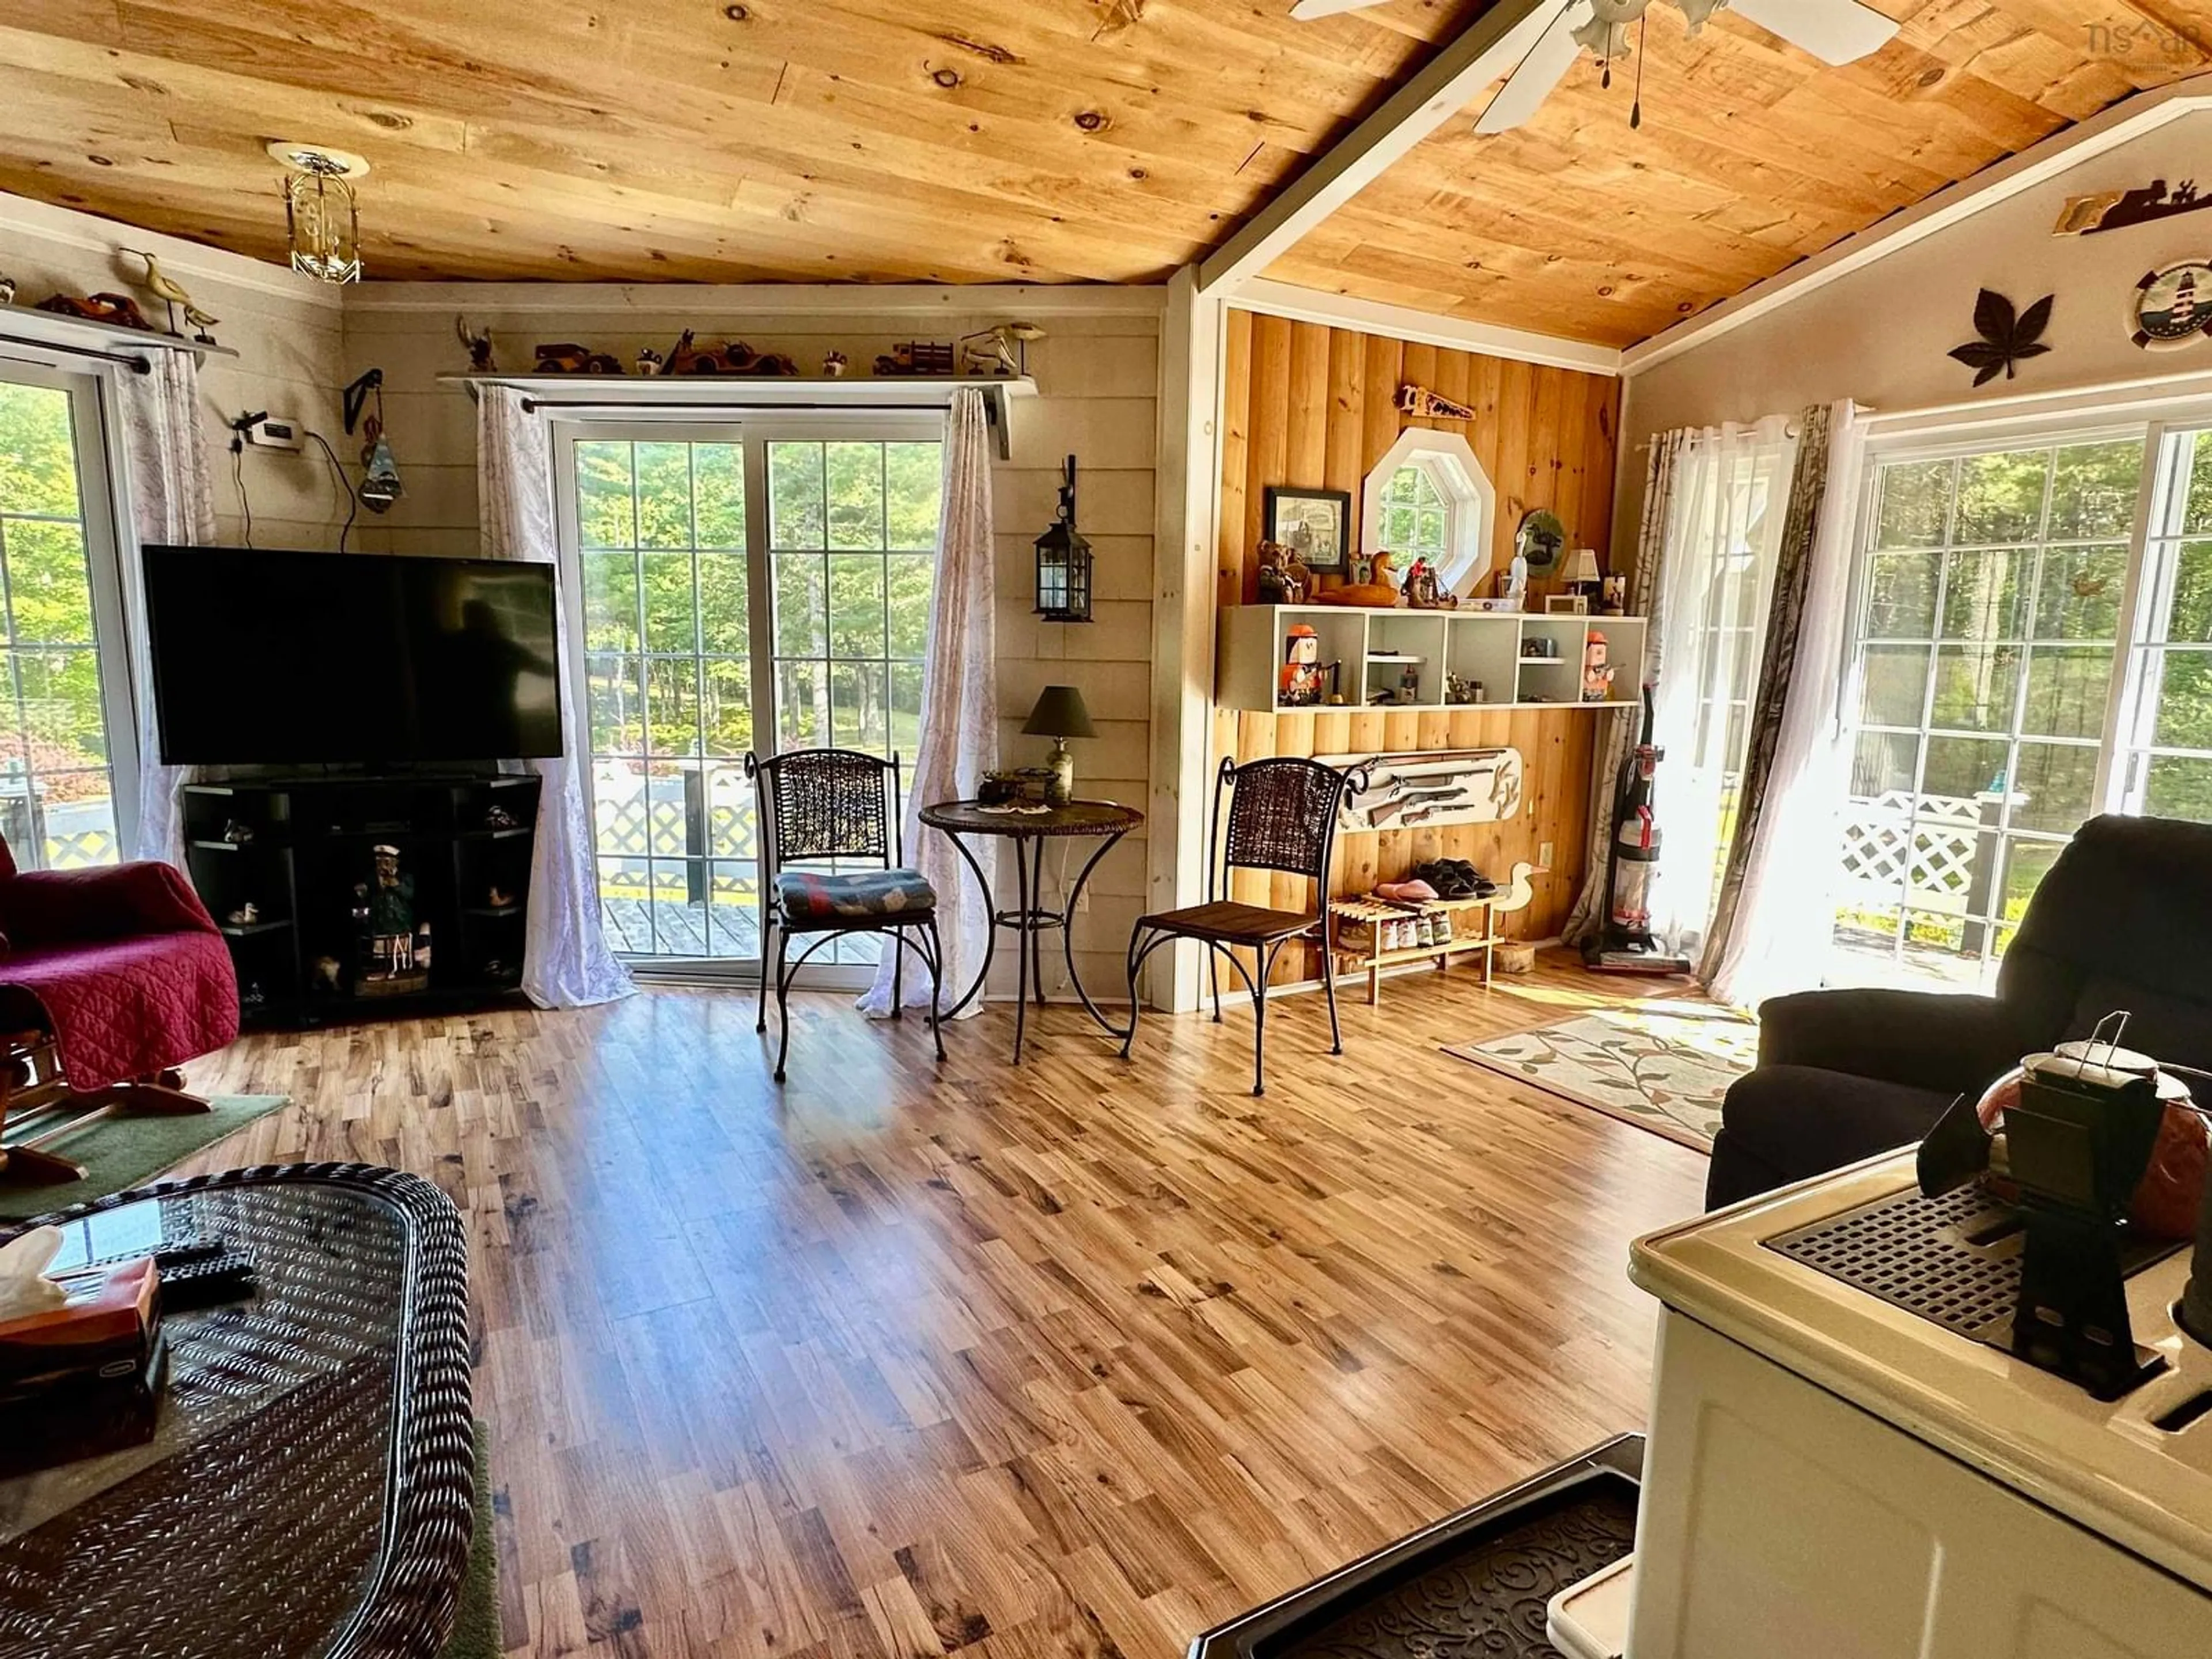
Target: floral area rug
[1661,1065]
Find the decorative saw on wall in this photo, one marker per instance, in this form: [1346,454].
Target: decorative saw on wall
[2116,209]
[1548,41]
[1420,402]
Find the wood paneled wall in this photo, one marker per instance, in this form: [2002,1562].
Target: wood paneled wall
[1309,404]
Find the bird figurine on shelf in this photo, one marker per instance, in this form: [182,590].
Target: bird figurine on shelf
[174,295]
[1377,590]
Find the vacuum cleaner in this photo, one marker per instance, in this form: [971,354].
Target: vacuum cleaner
[1625,944]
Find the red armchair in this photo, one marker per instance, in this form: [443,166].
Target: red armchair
[110,979]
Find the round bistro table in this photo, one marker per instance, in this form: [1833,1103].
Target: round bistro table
[309,1490]
[1029,830]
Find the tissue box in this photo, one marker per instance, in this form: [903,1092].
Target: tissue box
[105,1333]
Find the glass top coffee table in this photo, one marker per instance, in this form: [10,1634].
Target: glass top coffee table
[309,1493]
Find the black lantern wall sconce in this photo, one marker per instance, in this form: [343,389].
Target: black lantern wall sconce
[1063,562]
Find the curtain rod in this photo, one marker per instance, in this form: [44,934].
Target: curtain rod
[531,405]
[136,365]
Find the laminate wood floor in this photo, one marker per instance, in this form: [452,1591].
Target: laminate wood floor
[901,1361]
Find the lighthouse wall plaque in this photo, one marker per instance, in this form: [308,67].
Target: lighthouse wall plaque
[2172,307]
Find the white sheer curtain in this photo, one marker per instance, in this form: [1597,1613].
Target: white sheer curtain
[172,504]
[1732,488]
[566,963]
[959,711]
[1785,914]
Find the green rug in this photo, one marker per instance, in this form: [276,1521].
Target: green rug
[475,1624]
[128,1149]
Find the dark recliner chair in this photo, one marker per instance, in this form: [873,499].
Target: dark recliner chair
[2123,920]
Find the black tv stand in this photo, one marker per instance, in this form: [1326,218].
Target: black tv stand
[304,853]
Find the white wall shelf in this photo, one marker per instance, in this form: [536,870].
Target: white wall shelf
[1378,647]
[648,395]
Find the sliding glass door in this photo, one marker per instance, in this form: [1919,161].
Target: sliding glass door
[756,587]
[2166,728]
[65,727]
[1990,612]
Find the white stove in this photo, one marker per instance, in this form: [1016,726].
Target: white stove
[1833,1475]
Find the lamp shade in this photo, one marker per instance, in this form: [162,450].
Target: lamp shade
[1059,713]
[1581,566]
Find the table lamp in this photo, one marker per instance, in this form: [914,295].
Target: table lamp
[1060,714]
[1580,575]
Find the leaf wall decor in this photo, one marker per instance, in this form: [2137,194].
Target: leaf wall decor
[2007,336]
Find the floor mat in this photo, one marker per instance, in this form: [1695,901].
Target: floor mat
[1663,1065]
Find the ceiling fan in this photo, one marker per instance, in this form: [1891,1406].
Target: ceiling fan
[1834,31]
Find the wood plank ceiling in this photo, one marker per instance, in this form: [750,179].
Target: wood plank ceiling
[1751,155]
[1033,140]
[671,140]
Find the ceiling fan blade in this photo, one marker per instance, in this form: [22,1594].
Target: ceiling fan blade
[1544,68]
[1306,10]
[1834,31]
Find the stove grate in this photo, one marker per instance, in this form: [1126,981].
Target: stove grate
[1954,1260]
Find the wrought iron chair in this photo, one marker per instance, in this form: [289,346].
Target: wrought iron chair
[838,803]
[1282,816]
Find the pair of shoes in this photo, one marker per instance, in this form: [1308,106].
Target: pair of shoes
[1455,878]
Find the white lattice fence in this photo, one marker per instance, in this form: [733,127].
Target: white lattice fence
[1924,845]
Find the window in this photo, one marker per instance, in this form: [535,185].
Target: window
[2166,728]
[62,703]
[755,588]
[1416,517]
[1428,497]
[1988,623]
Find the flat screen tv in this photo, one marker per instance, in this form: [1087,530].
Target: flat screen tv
[264,657]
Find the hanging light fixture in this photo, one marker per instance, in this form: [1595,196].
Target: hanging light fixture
[322,222]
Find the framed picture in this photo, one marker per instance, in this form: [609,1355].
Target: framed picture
[1566,605]
[1317,524]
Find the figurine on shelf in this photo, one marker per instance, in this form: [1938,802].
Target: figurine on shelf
[1299,684]
[1283,578]
[565,357]
[394,943]
[237,834]
[497,897]
[7,290]
[245,915]
[174,295]
[1517,582]
[117,310]
[1001,351]
[1597,671]
[1424,593]
[476,342]
[1461,691]
[649,362]
[919,357]
[833,365]
[498,817]
[1378,590]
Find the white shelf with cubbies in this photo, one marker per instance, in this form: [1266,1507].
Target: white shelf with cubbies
[1401,659]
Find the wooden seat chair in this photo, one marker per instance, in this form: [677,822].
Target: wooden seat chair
[1282,815]
[821,804]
